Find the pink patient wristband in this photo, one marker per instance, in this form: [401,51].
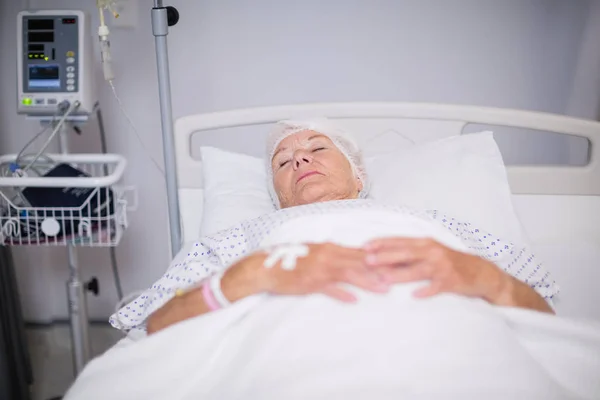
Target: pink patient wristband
[212,294]
[209,297]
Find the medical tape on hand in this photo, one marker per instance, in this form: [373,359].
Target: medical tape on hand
[287,254]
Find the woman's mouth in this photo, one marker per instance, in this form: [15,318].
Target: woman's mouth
[307,174]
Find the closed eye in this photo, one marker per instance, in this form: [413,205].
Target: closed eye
[283,163]
[318,148]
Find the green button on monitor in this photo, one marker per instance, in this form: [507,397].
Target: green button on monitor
[27,101]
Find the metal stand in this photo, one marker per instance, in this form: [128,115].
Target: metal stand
[76,296]
[78,315]
[76,289]
[162,18]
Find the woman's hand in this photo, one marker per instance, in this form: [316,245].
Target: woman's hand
[322,270]
[325,266]
[408,260]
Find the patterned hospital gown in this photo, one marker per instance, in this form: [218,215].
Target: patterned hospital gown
[215,253]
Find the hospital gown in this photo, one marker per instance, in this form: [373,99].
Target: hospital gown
[214,253]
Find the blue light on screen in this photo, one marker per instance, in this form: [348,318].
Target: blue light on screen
[44,83]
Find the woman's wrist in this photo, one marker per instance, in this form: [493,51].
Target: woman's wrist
[499,286]
[513,293]
[245,278]
[503,295]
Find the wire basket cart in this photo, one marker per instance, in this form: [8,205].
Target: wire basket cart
[88,208]
[68,200]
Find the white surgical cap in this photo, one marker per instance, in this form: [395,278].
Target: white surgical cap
[340,138]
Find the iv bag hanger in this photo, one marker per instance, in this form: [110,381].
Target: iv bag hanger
[162,18]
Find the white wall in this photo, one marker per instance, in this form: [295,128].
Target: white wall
[584,98]
[227,54]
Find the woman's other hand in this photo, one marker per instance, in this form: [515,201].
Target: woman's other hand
[408,260]
[322,270]
[240,280]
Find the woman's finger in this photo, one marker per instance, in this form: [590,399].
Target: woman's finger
[395,256]
[402,274]
[339,294]
[365,279]
[396,243]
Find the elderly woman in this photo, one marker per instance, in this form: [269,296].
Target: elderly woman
[335,296]
[316,162]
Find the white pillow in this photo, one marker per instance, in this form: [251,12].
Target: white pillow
[463,176]
[235,189]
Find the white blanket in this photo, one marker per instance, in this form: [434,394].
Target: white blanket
[384,347]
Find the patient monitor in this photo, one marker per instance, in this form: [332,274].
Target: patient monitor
[54,62]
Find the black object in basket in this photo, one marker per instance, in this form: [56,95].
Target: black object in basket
[70,205]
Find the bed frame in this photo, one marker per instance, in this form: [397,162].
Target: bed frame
[569,194]
[575,190]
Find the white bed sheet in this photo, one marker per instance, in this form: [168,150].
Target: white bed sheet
[298,347]
[448,347]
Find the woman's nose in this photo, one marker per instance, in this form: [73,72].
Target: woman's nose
[302,157]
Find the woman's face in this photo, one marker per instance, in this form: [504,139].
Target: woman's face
[308,168]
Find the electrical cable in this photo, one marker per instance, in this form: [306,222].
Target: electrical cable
[35,137]
[57,129]
[14,197]
[13,169]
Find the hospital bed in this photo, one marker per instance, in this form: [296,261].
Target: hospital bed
[558,206]
[555,206]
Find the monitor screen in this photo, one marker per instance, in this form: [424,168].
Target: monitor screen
[44,76]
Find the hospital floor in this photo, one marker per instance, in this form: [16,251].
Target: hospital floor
[51,357]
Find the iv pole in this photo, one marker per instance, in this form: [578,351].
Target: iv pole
[162,18]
